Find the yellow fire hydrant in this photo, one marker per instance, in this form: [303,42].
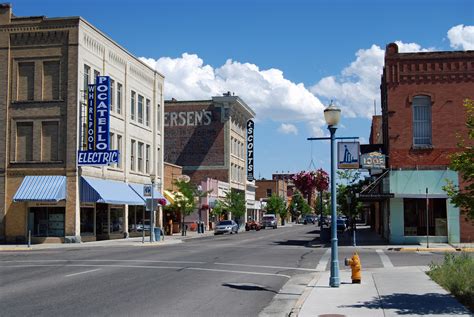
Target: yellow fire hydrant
[356,267]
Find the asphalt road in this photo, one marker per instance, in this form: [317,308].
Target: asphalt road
[232,275]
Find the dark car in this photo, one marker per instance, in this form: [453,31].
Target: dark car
[341,225]
[309,219]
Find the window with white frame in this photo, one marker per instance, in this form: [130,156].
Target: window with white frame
[140,157]
[147,159]
[422,121]
[132,154]
[147,112]
[119,98]
[132,105]
[140,109]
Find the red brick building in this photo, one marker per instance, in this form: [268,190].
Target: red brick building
[422,114]
[208,138]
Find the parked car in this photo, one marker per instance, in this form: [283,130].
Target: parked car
[309,219]
[252,225]
[139,226]
[341,225]
[269,221]
[226,226]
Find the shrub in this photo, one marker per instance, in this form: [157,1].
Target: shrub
[456,274]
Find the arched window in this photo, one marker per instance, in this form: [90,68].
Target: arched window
[421,121]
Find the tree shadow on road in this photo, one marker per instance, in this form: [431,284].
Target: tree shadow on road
[248,287]
[415,304]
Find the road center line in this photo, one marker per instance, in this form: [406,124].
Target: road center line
[267,266]
[323,263]
[385,259]
[237,272]
[103,260]
[150,267]
[74,274]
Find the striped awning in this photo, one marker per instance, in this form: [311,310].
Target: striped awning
[95,190]
[138,188]
[42,188]
[169,196]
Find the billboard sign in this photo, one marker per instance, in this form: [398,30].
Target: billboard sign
[348,155]
[98,126]
[250,140]
[372,160]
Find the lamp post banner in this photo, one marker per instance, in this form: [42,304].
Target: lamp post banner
[348,155]
[250,140]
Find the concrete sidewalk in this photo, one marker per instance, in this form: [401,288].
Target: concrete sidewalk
[135,241]
[406,291]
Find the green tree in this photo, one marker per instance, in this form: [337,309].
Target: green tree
[349,184]
[186,200]
[299,205]
[463,162]
[276,205]
[234,202]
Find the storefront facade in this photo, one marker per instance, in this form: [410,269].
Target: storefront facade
[422,118]
[44,127]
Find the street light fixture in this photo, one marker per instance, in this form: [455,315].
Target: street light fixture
[332,115]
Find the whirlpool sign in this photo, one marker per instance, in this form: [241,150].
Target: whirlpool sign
[98,126]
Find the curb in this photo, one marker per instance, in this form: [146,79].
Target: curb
[434,249]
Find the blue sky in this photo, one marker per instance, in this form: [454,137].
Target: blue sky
[285,58]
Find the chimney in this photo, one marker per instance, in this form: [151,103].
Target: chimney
[5,13]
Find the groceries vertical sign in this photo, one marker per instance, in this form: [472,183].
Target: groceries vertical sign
[98,126]
[250,139]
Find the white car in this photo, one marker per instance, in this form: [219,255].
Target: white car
[226,226]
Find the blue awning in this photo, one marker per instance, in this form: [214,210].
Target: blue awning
[42,188]
[95,190]
[138,188]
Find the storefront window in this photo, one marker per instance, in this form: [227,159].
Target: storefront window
[415,217]
[116,220]
[87,221]
[135,218]
[46,221]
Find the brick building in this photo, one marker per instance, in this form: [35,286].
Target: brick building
[45,66]
[208,139]
[422,113]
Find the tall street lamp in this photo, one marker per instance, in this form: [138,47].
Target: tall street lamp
[332,115]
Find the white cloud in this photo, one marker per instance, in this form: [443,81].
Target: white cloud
[267,91]
[357,86]
[287,128]
[461,37]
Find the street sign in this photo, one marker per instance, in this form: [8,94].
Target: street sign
[372,160]
[147,190]
[348,155]
[151,204]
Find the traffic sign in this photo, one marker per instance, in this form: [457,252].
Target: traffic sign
[147,190]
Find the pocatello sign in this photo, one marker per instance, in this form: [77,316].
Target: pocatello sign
[98,126]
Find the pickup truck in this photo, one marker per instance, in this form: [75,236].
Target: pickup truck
[269,221]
